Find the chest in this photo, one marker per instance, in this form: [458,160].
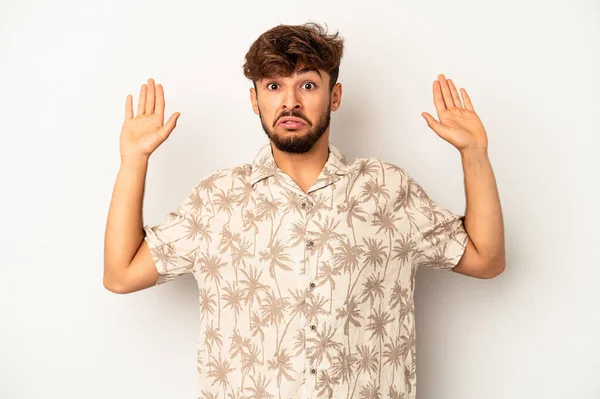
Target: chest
[335,240]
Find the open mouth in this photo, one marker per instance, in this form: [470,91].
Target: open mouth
[292,125]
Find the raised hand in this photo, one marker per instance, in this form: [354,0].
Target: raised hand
[142,134]
[459,125]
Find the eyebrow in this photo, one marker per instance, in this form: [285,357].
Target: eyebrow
[307,70]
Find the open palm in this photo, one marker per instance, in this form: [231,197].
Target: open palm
[458,124]
[142,134]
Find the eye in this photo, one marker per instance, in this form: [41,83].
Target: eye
[311,87]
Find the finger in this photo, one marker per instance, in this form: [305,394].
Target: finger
[166,130]
[142,101]
[150,100]
[160,102]
[438,100]
[129,107]
[467,99]
[433,124]
[455,96]
[446,91]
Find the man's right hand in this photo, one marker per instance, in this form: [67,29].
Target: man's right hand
[145,132]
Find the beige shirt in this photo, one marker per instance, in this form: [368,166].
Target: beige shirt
[306,295]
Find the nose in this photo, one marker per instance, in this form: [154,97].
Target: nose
[290,99]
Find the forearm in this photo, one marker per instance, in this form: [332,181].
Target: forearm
[124,229]
[483,217]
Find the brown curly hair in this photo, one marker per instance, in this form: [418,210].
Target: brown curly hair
[283,49]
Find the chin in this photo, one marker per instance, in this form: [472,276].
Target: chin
[296,132]
[285,129]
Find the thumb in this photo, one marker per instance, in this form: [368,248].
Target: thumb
[170,125]
[432,123]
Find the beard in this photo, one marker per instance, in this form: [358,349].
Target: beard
[292,141]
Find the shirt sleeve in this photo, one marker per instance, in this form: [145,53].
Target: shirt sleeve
[174,243]
[439,234]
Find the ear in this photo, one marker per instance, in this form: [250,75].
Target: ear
[336,96]
[254,100]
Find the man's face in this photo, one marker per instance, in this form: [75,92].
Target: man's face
[304,95]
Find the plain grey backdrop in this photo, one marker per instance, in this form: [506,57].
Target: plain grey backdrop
[531,68]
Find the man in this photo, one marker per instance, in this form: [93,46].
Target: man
[305,262]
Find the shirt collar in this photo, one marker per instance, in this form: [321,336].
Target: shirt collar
[264,165]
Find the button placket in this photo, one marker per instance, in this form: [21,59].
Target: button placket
[306,204]
[311,287]
[310,246]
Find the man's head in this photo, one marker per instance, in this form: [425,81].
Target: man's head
[294,69]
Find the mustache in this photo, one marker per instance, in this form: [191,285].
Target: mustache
[295,114]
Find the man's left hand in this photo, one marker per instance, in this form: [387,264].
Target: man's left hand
[459,125]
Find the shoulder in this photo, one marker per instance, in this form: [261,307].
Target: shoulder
[218,185]
[225,178]
[371,168]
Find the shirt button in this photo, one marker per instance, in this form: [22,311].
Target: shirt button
[313,371]
[311,243]
[304,205]
[313,327]
[312,285]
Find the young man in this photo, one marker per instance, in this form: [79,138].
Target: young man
[305,262]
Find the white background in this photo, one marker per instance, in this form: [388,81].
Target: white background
[531,68]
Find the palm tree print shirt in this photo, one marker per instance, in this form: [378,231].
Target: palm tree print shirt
[306,295]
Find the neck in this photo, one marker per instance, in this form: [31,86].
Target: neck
[304,168]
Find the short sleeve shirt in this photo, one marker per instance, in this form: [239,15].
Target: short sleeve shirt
[306,294]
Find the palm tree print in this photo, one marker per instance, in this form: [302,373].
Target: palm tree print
[306,293]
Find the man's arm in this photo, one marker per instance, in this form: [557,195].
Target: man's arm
[128,265]
[484,256]
[460,125]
